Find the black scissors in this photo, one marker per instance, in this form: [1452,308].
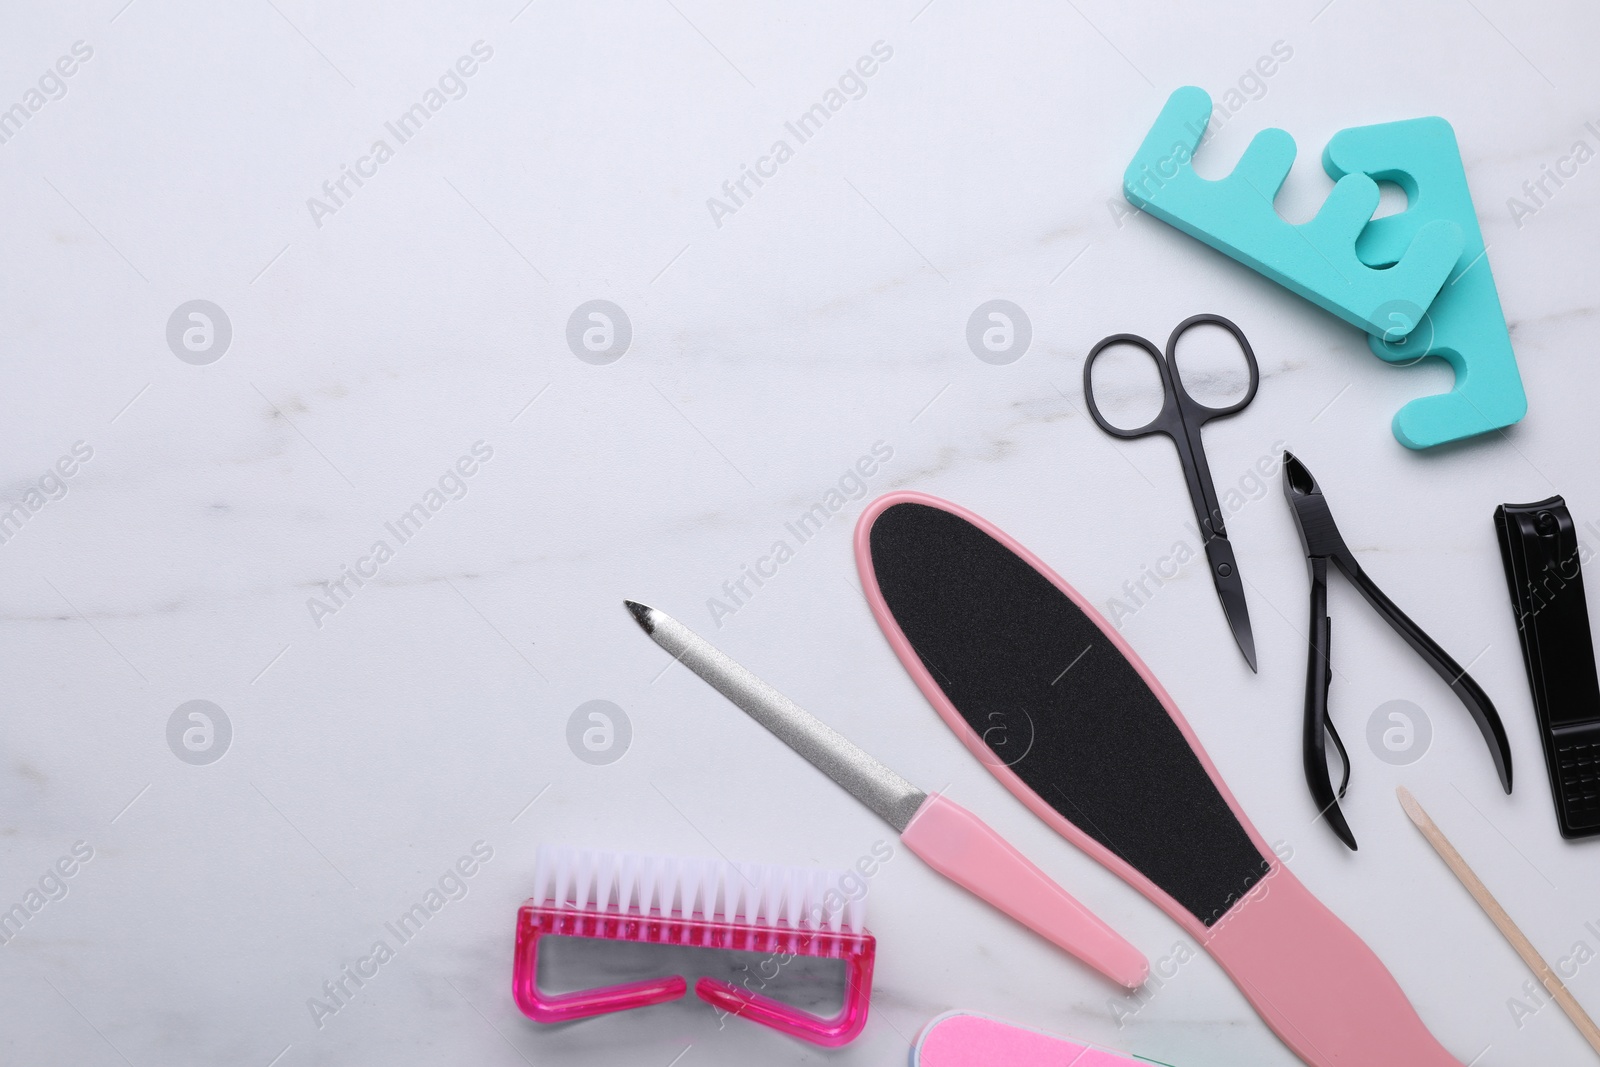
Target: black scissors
[1180,418]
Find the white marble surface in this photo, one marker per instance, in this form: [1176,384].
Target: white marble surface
[826,314]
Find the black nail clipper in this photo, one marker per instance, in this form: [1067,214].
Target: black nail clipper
[1543,561]
[1323,545]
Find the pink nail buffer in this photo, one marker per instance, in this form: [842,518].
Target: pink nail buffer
[1066,716]
[965,1039]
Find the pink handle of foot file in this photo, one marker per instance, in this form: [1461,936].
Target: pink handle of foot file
[1316,983]
[963,848]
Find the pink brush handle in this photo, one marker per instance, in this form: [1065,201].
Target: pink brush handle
[960,846]
[842,1029]
[564,1007]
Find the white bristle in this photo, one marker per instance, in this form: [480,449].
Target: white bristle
[605,879]
[772,893]
[819,888]
[710,890]
[583,878]
[795,892]
[563,877]
[739,906]
[728,891]
[756,894]
[691,897]
[705,890]
[751,876]
[855,913]
[644,897]
[665,900]
[690,887]
[627,880]
[544,874]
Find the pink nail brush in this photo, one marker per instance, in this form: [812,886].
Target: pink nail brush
[781,912]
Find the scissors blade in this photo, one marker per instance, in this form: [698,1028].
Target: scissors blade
[1230,590]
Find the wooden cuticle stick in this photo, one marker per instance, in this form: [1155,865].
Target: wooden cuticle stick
[1491,907]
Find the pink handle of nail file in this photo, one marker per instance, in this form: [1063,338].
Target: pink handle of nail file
[963,1039]
[963,848]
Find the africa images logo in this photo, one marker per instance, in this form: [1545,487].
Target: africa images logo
[451,85]
[851,85]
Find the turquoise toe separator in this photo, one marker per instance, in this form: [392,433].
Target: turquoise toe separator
[1418,282]
[1465,325]
[1316,259]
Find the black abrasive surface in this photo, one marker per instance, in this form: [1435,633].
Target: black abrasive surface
[1051,696]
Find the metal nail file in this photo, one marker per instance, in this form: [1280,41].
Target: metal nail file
[945,835]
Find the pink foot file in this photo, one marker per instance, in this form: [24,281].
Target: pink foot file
[965,1039]
[1058,707]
